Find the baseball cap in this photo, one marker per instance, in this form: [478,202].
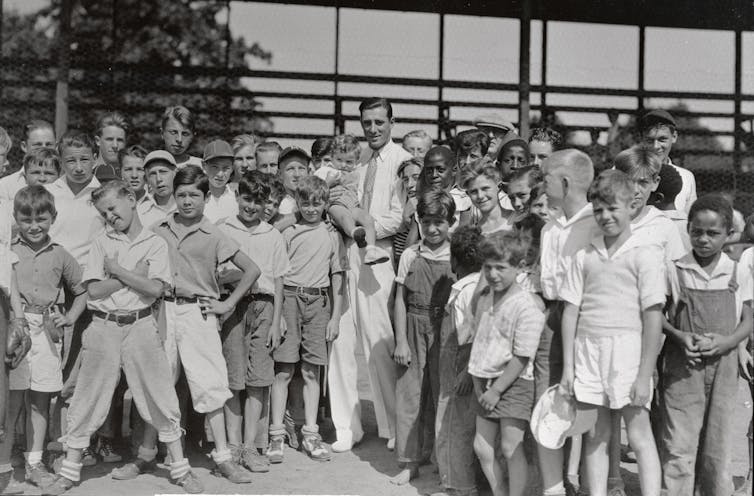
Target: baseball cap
[293,151]
[494,120]
[556,418]
[159,155]
[217,149]
[658,116]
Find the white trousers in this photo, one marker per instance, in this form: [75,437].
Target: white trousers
[365,323]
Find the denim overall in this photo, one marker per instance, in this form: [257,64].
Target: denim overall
[417,387]
[698,400]
[456,421]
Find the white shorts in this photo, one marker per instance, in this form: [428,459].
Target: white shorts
[195,341]
[41,369]
[606,368]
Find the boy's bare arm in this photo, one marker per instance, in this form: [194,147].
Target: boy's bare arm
[568,332]
[402,353]
[273,340]
[135,279]
[70,317]
[16,305]
[251,273]
[333,326]
[651,319]
[511,372]
[283,222]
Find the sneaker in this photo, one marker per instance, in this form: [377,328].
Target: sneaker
[88,458]
[345,442]
[38,475]
[255,462]
[360,236]
[134,469]
[315,448]
[190,483]
[58,486]
[55,461]
[9,485]
[275,449]
[292,432]
[375,255]
[234,472]
[17,458]
[106,451]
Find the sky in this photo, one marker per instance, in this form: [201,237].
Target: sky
[476,49]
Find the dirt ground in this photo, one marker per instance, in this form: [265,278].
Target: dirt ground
[363,471]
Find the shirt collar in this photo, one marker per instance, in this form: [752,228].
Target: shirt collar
[203,225]
[675,214]
[724,266]
[633,241]
[585,212]
[62,183]
[144,235]
[465,281]
[441,251]
[261,228]
[652,214]
[18,240]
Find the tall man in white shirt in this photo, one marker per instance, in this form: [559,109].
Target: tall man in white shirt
[366,321]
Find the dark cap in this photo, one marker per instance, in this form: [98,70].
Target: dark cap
[217,149]
[657,116]
[293,151]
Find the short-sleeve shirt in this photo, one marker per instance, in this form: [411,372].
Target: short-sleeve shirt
[11,184]
[314,253]
[509,327]
[147,247]
[220,207]
[195,253]
[150,213]
[78,223]
[681,221]
[560,241]
[442,253]
[687,271]
[42,273]
[7,260]
[264,245]
[459,307]
[656,227]
[611,291]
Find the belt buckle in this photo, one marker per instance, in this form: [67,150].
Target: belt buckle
[125,319]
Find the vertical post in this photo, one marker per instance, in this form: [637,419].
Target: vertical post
[228,97]
[523,70]
[543,76]
[442,117]
[1,46]
[640,83]
[61,90]
[737,105]
[339,124]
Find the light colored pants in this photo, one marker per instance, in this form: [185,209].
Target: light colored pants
[366,323]
[194,342]
[106,347]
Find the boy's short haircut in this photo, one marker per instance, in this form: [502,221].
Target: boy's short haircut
[670,184]
[437,204]
[42,157]
[574,164]
[75,139]
[119,187]
[268,146]
[5,142]
[277,188]
[747,235]
[312,188]
[375,102]
[547,135]
[610,186]
[255,184]
[191,175]
[714,202]
[137,151]
[531,173]
[505,246]
[322,147]
[482,167]
[242,140]
[412,161]
[346,144]
[639,160]
[180,114]
[32,200]
[35,124]
[112,119]
[536,192]
[464,247]
[471,139]
[530,227]
[418,133]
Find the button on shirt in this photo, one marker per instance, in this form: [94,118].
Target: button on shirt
[314,253]
[219,207]
[147,247]
[613,290]
[442,253]
[195,253]
[42,273]
[150,212]
[561,239]
[78,223]
[265,246]
[386,208]
[687,271]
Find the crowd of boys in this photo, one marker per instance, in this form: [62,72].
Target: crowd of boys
[495,286]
